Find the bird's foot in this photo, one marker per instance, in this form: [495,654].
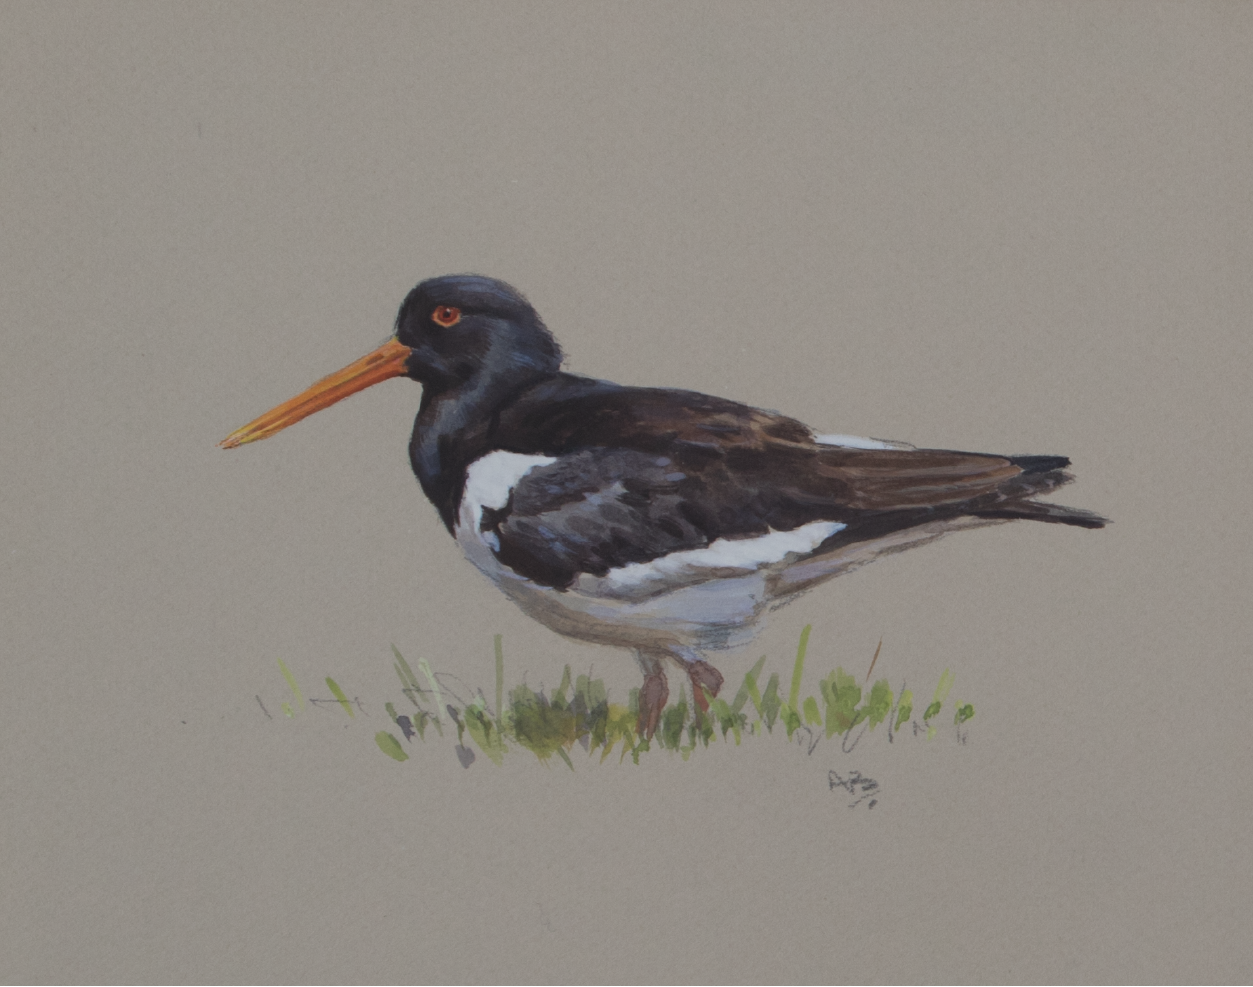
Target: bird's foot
[705,679]
[653,696]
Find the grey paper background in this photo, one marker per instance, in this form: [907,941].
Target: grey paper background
[1012,228]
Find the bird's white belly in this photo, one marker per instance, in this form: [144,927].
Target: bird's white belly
[715,613]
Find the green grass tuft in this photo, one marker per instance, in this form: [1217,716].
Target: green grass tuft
[580,712]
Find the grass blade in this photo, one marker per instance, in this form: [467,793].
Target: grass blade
[406,673]
[498,640]
[750,682]
[905,707]
[794,694]
[291,681]
[879,705]
[408,681]
[941,693]
[559,697]
[430,677]
[338,693]
[770,702]
[485,734]
[390,746]
[874,659]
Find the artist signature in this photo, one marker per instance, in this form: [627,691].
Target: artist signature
[856,785]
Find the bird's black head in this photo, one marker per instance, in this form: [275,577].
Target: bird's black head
[462,326]
[454,332]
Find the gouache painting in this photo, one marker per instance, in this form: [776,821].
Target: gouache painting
[780,518]
[662,521]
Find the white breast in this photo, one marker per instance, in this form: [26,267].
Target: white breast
[489,482]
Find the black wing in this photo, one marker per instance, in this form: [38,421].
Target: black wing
[641,473]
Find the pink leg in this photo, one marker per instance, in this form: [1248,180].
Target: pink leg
[653,696]
[705,678]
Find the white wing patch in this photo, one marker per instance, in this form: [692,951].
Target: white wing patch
[489,482]
[858,442]
[725,553]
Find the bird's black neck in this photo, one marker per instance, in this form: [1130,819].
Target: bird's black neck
[454,427]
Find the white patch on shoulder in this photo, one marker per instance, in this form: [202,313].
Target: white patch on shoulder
[858,442]
[489,482]
[743,554]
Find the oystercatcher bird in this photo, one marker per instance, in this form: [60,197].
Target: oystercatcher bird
[661,520]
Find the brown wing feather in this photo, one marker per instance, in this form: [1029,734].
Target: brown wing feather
[862,479]
[751,442]
[888,479]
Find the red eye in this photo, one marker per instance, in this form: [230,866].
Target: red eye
[446,316]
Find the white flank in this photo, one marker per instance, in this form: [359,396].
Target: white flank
[858,442]
[726,553]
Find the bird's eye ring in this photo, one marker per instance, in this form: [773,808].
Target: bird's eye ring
[446,315]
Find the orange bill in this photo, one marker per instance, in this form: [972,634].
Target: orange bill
[386,361]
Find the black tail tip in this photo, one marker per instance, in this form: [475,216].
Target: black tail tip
[1040,464]
[1085,519]
[1034,510]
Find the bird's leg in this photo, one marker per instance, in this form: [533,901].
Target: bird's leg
[653,693]
[705,678]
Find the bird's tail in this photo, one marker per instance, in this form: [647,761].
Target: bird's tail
[1040,475]
[1033,510]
